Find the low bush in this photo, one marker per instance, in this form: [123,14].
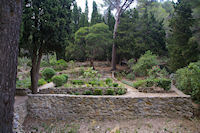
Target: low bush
[59,80]
[60,65]
[110,91]
[87,92]
[131,62]
[98,92]
[145,62]
[157,72]
[158,82]
[130,76]
[108,81]
[121,91]
[48,73]
[77,82]
[188,80]
[41,82]
[25,83]
[66,77]
[115,84]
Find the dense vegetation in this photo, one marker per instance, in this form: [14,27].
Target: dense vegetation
[154,39]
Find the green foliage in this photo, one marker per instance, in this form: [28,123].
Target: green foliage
[25,83]
[110,91]
[145,62]
[156,72]
[41,82]
[96,17]
[182,48]
[98,92]
[108,81]
[121,91]
[60,65]
[131,62]
[66,77]
[59,80]
[87,92]
[48,73]
[23,61]
[115,84]
[77,82]
[158,82]
[90,73]
[187,80]
[130,76]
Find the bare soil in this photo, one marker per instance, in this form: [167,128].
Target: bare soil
[139,125]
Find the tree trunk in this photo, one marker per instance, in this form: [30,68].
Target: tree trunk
[10,19]
[114,49]
[36,59]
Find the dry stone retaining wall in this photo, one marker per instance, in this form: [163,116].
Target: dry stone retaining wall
[68,107]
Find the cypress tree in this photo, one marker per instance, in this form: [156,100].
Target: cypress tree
[181,46]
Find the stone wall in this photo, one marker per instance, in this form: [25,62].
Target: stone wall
[63,107]
[20,113]
[79,90]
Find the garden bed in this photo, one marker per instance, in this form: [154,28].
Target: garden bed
[85,91]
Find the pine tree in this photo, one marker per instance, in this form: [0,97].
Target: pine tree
[110,20]
[75,18]
[182,48]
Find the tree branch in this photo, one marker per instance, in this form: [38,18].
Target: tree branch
[127,6]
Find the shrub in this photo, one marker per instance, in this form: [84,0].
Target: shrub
[110,91]
[48,73]
[66,77]
[115,84]
[87,92]
[41,82]
[187,80]
[108,81]
[23,61]
[130,76]
[94,82]
[156,72]
[144,63]
[163,83]
[58,80]
[60,65]
[77,82]
[159,82]
[131,62]
[139,83]
[121,91]
[25,83]
[98,92]
[90,73]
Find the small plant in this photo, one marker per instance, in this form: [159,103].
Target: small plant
[41,82]
[108,81]
[131,62]
[60,65]
[115,84]
[130,76]
[77,82]
[59,80]
[25,83]
[98,92]
[87,92]
[110,91]
[48,73]
[121,91]
[156,72]
[139,83]
[66,77]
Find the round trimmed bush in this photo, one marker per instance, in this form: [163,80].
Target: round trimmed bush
[58,80]
[41,82]
[48,73]
[66,77]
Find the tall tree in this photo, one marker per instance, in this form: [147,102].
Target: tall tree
[76,14]
[96,17]
[110,20]
[120,6]
[45,29]
[86,13]
[182,48]
[10,19]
